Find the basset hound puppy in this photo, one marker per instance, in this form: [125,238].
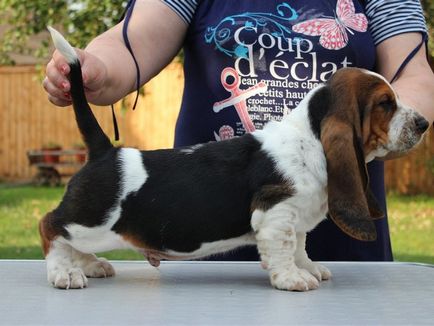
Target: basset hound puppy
[267,188]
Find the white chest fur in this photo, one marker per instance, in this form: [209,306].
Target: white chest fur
[300,157]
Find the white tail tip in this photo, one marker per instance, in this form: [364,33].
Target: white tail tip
[63,46]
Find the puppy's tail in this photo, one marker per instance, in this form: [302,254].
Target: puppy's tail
[94,137]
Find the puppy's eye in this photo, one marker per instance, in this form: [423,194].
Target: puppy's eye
[388,105]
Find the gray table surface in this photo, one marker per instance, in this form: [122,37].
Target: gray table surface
[218,293]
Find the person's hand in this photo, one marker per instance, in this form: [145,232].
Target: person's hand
[57,85]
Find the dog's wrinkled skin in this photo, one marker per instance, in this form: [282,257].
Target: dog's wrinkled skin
[267,188]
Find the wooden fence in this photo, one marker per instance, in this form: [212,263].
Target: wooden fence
[28,120]
[413,173]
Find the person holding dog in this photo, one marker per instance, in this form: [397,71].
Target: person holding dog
[249,62]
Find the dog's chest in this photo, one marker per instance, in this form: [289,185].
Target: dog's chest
[312,211]
[311,187]
[299,156]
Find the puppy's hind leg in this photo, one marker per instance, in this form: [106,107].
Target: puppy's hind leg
[67,267]
[92,265]
[61,271]
[276,240]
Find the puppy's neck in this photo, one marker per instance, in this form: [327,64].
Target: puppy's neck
[298,118]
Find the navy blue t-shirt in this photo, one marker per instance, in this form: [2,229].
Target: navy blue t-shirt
[255,42]
[251,61]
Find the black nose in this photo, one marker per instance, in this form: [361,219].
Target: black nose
[421,124]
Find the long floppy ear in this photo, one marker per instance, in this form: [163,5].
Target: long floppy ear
[374,209]
[347,179]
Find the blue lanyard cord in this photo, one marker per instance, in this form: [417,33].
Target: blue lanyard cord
[409,57]
[129,12]
[127,15]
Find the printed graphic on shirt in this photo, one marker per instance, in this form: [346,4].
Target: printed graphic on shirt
[230,80]
[333,30]
[277,57]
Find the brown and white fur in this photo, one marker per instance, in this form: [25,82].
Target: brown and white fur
[267,188]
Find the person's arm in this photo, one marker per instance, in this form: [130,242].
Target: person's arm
[415,85]
[397,27]
[156,34]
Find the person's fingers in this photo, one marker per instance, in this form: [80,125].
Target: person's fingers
[58,86]
[58,69]
[56,83]
[59,102]
[60,63]
[54,91]
[56,77]
[90,66]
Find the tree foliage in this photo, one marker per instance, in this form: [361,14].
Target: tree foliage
[80,20]
[428,6]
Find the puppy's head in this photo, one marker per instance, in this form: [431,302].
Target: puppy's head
[362,119]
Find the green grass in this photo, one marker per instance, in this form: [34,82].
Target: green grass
[411,222]
[21,208]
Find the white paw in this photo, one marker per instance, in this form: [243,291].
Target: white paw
[99,268]
[325,272]
[295,279]
[70,278]
[320,272]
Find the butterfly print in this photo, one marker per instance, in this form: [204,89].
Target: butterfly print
[333,30]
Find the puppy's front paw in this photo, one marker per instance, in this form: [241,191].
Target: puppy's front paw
[295,279]
[320,272]
[99,268]
[325,272]
[71,278]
